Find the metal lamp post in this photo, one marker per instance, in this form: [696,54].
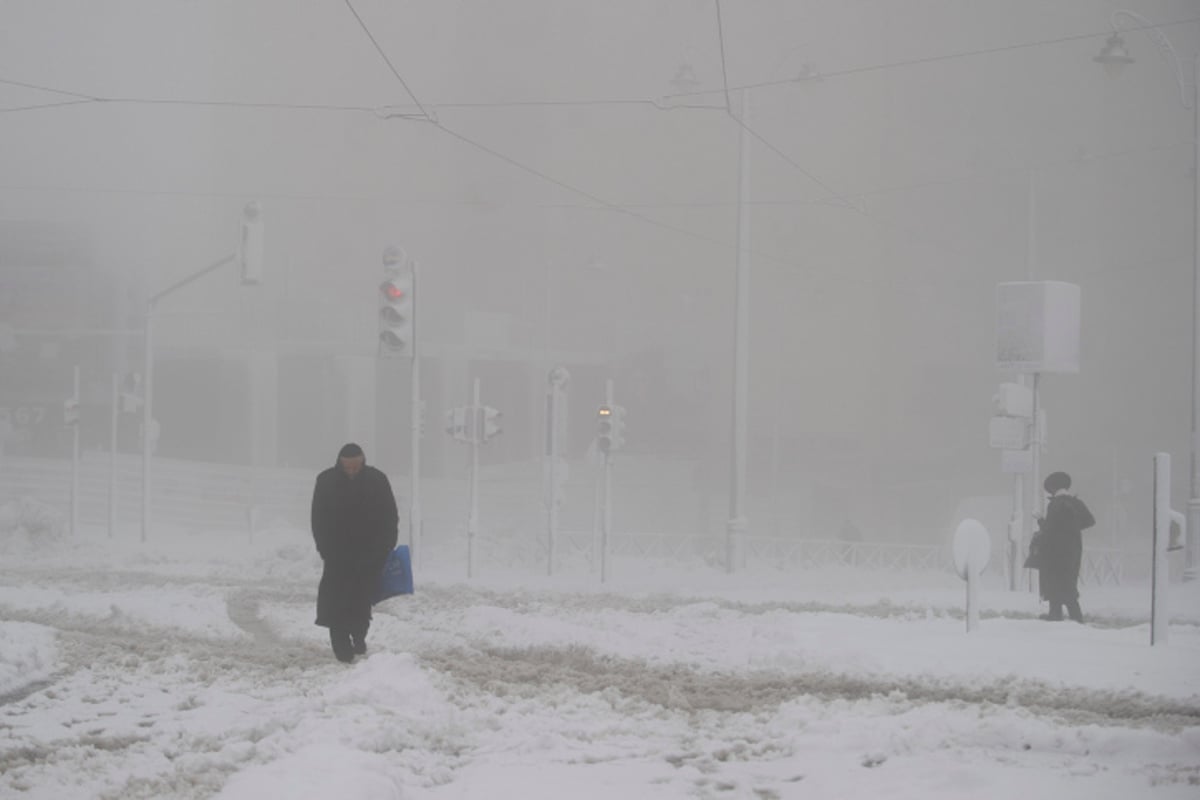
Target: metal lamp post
[1114,57]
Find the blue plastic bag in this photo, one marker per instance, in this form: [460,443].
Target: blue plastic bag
[397,575]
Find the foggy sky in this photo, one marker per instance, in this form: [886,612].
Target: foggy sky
[566,205]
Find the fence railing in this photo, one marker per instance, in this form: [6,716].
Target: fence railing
[199,496]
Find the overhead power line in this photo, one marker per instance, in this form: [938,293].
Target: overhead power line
[543,176]
[387,60]
[724,69]
[913,62]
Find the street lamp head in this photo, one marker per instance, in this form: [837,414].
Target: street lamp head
[1113,57]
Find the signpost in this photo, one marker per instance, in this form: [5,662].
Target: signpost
[1037,331]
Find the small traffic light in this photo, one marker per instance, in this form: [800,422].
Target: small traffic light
[250,248]
[604,429]
[491,423]
[396,317]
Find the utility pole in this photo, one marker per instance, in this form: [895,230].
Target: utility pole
[737,525]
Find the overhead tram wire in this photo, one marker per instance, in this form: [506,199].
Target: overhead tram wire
[724,72]
[39,106]
[387,60]
[625,209]
[913,62]
[608,204]
[614,102]
[50,89]
[746,127]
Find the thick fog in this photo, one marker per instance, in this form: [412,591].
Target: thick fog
[573,181]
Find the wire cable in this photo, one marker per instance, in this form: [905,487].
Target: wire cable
[599,201]
[933,59]
[45,105]
[50,89]
[387,60]
[724,71]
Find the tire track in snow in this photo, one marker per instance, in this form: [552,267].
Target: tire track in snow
[528,671]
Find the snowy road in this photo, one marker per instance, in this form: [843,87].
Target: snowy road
[170,680]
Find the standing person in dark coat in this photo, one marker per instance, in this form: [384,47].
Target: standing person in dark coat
[1062,547]
[354,522]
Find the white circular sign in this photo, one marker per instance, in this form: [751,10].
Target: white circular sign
[972,548]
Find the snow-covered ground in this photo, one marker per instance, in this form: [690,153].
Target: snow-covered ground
[189,667]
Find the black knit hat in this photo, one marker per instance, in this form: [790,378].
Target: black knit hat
[350,450]
[1056,481]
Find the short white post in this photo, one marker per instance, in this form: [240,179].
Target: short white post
[972,551]
[1164,515]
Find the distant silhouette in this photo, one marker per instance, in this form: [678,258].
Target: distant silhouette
[1059,549]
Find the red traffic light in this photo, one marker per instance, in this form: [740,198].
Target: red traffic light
[391,291]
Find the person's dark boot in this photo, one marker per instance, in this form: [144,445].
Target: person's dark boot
[1055,614]
[358,638]
[343,648]
[1075,611]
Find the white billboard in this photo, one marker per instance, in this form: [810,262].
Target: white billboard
[1037,326]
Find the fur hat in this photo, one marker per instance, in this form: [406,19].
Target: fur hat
[1056,481]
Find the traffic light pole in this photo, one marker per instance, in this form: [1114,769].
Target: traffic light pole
[75,460]
[476,430]
[147,414]
[735,529]
[112,453]
[414,506]
[606,496]
[148,381]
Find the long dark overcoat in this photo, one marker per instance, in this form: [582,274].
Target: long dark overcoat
[354,524]
[1062,548]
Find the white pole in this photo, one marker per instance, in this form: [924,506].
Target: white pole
[75,458]
[1016,533]
[114,418]
[552,473]
[414,506]
[1192,563]
[147,416]
[597,525]
[736,527]
[606,497]
[972,597]
[1159,579]
[1020,524]
[475,426]
[1036,471]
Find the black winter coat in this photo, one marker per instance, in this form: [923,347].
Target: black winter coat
[1062,547]
[354,523]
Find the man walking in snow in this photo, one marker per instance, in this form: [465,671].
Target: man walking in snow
[354,524]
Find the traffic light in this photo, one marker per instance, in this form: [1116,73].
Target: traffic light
[396,329]
[610,428]
[250,248]
[491,423]
[604,429]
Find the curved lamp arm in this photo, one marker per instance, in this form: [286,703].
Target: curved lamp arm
[1165,48]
